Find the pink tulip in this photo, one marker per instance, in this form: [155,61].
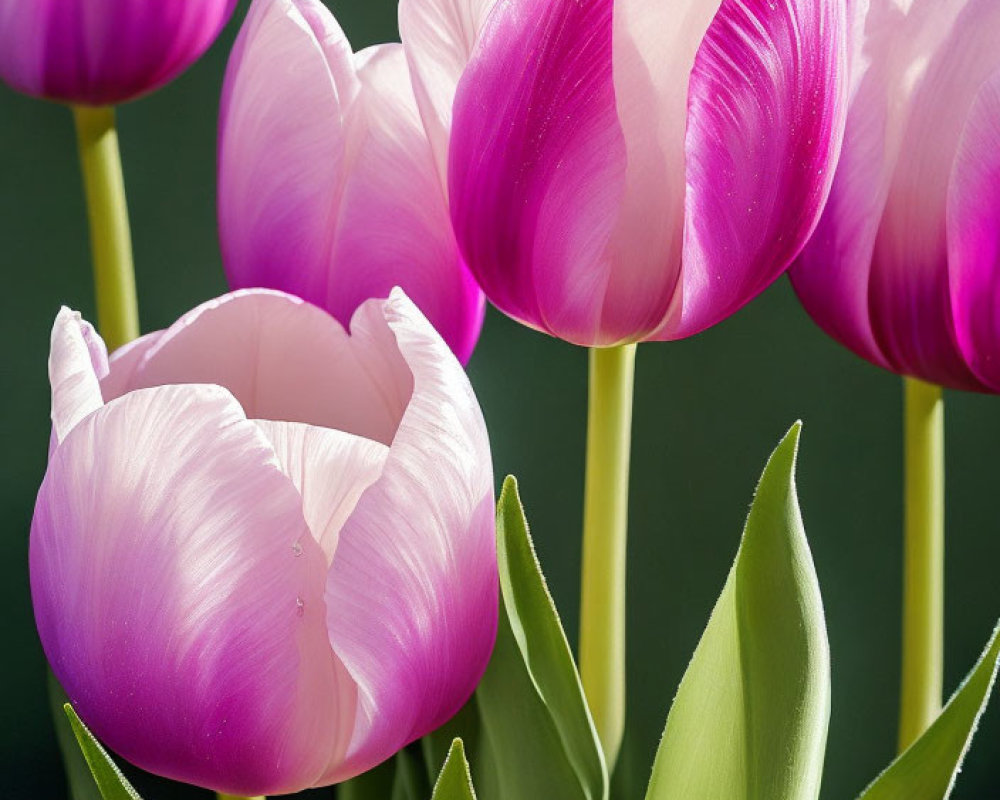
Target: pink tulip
[632,169]
[100,52]
[904,267]
[263,557]
[327,182]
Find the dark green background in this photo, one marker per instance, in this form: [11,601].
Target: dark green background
[707,413]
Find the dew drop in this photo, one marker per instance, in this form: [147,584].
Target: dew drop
[300,606]
[297,549]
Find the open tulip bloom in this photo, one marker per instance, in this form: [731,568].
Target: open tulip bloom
[263,555]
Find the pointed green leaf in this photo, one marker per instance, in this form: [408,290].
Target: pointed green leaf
[928,768]
[750,718]
[109,778]
[528,731]
[455,781]
[80,781]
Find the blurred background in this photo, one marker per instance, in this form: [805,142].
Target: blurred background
[708,411]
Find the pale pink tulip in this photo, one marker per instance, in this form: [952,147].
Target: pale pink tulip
[263,556]
[328,187]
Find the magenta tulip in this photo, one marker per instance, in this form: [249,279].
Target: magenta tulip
[632,169]
[328,187]
[263,556]
[102,52]
[904,267]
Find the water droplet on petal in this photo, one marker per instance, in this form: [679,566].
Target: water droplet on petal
[297,548]
[300,606]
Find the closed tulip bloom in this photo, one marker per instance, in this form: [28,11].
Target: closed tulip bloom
[904,267]
[102,52]
[263,556]
[328,186]
[627,170]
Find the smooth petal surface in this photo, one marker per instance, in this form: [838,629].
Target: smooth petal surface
[331,469]
[284,359]
[537,166]
[172,601]
[974,237]
[876,275]
[100,52]
[77,360]
[767,106]
[327,182]
[439,37]
[412,592]
[394,228]
[282,147]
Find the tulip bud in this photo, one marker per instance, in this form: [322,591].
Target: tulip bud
[263,556]
[103,52]
[627,170]
[904,267]
[328,186]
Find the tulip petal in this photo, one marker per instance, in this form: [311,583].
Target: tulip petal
[330,468]
[874,276]
[412,592]
[282,147]
[284,359]
[767,104]
[172,604]
[394,224]
[538,162]
[77,360]
[123,364]
[102,52]
[974,237]
[439,37]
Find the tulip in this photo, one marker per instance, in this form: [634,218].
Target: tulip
[628,171]
[625,171]
[904,266]
[102,52]
[328,186]
[262,557]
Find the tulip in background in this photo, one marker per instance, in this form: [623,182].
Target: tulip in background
[904,266]
[328,186]
[93,54]
[628,171]
[263,555]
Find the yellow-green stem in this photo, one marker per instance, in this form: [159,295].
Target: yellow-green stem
[605,517]
[110,241]
[923,558]
[224,796]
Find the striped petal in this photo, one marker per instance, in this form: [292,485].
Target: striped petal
[171,600]
[538,165]
[412,592]
[974,237]
[767,104]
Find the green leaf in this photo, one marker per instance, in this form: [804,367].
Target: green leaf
[409,783]
[528,732]
[928,768]
[78,776]
[751,714]
[109,778]
[454,782]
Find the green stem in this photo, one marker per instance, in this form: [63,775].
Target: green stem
[923,557]
[224,796]
[605,515]
[110,241]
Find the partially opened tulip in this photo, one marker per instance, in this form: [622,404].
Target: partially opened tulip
[328,187]
[263,556]
[904,266]
[623,171]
